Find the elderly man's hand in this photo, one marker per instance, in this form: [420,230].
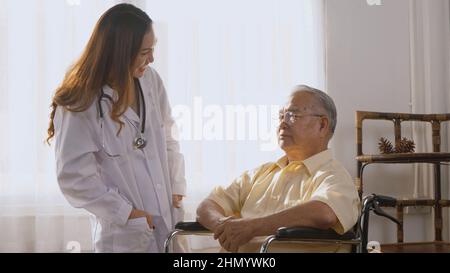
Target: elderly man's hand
[233,233]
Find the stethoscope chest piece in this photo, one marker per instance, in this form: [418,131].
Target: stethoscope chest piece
[139,143]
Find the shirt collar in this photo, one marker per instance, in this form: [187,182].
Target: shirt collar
[129,113]
[312,164]
[316,161]
[110,92]
[282,162]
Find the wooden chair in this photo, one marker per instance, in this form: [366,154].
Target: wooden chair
[437,158]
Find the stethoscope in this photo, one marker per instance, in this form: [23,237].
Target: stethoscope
[139,142]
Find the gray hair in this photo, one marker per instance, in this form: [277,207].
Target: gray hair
[324,100]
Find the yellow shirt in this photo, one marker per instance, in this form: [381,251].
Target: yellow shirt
[274,187]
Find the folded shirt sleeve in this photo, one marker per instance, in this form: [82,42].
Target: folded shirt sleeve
[340,194]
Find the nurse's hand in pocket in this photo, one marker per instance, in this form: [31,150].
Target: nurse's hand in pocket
[176,200]
[140,214]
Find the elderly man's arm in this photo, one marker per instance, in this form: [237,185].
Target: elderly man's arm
[209,214]
[236,232]
[314,214]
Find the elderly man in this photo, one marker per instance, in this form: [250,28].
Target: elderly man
[305,188]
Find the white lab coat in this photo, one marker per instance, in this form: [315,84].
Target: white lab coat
[104,174]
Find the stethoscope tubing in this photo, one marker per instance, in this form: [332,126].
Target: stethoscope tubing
[140,141]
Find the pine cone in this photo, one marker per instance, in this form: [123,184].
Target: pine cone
[405,146]
[385,146]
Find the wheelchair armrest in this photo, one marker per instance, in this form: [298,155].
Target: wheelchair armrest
[312,233]
[185,228]
[190,226]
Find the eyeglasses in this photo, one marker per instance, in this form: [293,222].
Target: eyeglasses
[290,117]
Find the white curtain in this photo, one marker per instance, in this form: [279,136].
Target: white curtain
[227,66]
[430,86]
[39,40]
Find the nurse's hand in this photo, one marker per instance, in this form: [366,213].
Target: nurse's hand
[176,200]
[140,214]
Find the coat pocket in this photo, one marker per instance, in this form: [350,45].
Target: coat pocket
[135,237]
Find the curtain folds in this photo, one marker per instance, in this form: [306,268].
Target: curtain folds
[227,67]
[430,85]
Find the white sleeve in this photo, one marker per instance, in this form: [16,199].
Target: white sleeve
[76,142]
[176,159]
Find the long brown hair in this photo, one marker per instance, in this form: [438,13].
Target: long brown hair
[107,59]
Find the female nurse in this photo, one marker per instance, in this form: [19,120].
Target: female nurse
[115,153]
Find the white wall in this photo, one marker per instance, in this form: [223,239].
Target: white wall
[369,68]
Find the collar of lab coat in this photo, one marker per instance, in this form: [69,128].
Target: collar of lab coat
[129,113]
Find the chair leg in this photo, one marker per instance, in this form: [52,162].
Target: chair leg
[169,240]
[266,244]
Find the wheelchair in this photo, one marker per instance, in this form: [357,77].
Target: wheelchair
[357,238]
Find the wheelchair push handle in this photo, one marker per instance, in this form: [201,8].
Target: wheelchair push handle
[374,201]
[381,200]
[386,201]
[378,211]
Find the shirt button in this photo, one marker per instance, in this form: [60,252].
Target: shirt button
[158,186]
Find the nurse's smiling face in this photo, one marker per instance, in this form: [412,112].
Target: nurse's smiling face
[145,55]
